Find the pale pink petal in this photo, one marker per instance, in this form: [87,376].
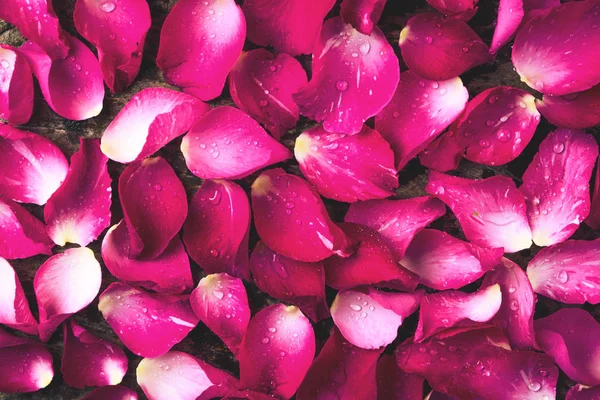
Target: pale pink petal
[576,110]
[510,15]
[395,384]
[462,9]
[111,393]
[16,86]
[582,392]
[593,220]
[443,154]
[362,14]
[14,308]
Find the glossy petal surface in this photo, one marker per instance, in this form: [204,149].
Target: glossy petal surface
[576,110]
[16,86]
[510,15]
[443,154]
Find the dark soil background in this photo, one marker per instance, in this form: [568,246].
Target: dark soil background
[201,342]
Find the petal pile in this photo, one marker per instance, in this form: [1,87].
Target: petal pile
[363,15]
[395,384]
[510,15]
[576,110]
[14,309]
[16,86]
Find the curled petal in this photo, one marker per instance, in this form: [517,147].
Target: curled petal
[443,154]
[576,110]
[148,324]
[90,361]
[150,120]
[397,221]
[395,384]
[593,219]
[354,77]
[16,86]
[216,230]
[437,47]
[362,14]
[221,303]
[262,84]
[347,168]
[291,219]
[32,166]
[64,285]
[199,57]
[444,262]
[228,144]
[79,210]
[419,111]
[491,211]
[116,392]
[462,9]
[556,185]
[277,350]
[299,283]
[14,309]
[72,86]
[581,392]
[510,15]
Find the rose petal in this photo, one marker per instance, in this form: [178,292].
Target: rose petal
[90,361]
[262,84]
[439,48]
[556,185]
[248,394]
[547,57]
[33,167]
[462,9]
[221,303]
[299,283]
[576,110]
[362,14]
[150,120]
[169,272]
[291,219]
[16,86]
[214,45]
[433,395]
[372,263]
[593,220]
[510,15]
[396,220]
[276,351]
[529,5]
[395,384]
[119,32]
[491,211]
[581,392]
[347,168]
[14,308]
[148,324]
[112,393]
[369,318]
[444,262]
[147,189]
[443,154]
[216,230]
[419,111]
[73,86]
[79,210]
[228,144]
[178,375]
[64,285]
[354,77]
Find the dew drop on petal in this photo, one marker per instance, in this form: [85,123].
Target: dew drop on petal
[355,307]
[108,6]
[558,148]
[342,86]
[562,276]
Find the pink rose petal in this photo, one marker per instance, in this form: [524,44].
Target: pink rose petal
[593,220]
[576,110]
[362,14]
[16,86]
[14,308]
[354,77]
[395,384]
[112,393]
[216,230]
[291,219]
[64,285]
[491,211]
[299,283]
[510,15]
[79,210]
[277,350]
[443,154]
[347,168]
[199,57]
[150,120]
[461,9]
[228,144]
[581,392]
[529,5]
[148,324]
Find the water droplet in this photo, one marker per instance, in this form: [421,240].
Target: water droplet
[534,386]
[355,307]
[558,148]
[342,86]
[265,340]
[562,276]
[157,187]
[512,289]
[435,85]
[493,99]
[514,305]
[78,67]
[428,40]
[218,294]
[272,329]
[452,349]
[503,135]
[263,103]
[535,201]
[108,6]
[365,48]
[214,253]
[395,114]
[465,49]
[484,143]
[422,349]
[440,190]
[112,36]
[490,122]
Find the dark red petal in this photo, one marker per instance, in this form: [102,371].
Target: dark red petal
[576,110]
[248,394]
[112,393]
[463,9]
[362,14]
[216,230]
[581,392]
[354,77]
[529,5]
[443,154]
[14,308]
[433,395]
[16,86]
[510,15]
[299,283]
[291,219]
[395,384]
[593,220]
[347,168]
[556,185]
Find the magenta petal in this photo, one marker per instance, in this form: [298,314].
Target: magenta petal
[32,166]
[148,324]
[112,393]
[276,351]
[593,219]
[14,308]
[90,361]
[228,144]
[396,220]
[221,303]
[150,120]
[443,154]
[395,384]
[369,318]
[510,15]
[437,47]
[79,210]
[299,283]
[581,392]
[16,86]
[291,219]
[262,84]
[198,58]
[362,14]
[444,262]
[73,86]
[576,110]
[354,77]
[64,285]
[216,230]
[462,9]
[347,168]
[491,211]
[372,263]
[25,365]
[419,111]
[248,394]
[179,376]
[556,185]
